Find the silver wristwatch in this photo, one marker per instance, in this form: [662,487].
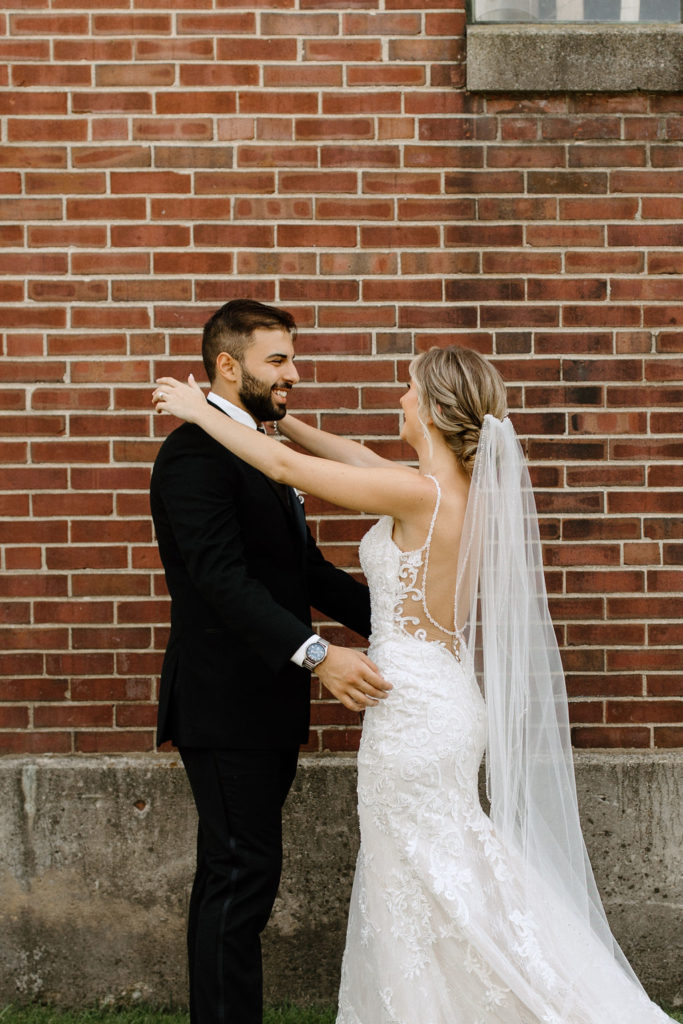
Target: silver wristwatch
[316,652]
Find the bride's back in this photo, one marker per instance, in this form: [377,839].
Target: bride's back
[429,545]
[456,389]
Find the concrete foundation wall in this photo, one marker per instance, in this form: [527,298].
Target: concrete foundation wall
[96,858]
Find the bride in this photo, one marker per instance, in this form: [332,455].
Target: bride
[457,917]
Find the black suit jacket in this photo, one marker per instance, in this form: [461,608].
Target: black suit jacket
[243,571]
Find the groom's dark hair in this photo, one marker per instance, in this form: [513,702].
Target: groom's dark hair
[230,329]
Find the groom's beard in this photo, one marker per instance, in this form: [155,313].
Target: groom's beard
[257,398]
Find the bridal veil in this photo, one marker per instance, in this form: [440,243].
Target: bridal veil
[509,643]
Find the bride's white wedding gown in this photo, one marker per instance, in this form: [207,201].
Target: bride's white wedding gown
[438,931]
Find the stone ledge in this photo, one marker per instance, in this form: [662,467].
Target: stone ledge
[574,58]
[96,859]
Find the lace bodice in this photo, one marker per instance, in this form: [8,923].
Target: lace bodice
[399,584]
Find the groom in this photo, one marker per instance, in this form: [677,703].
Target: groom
[242,571]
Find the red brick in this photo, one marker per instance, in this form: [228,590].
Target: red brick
[48,25]
[235,182]
[337,740]
[602,208]
[645,234]
[69,716]
[484,235]
[277,156]
[657,448]
[351,49]
[116,741]
[110,156]
[111,102]
[108,75]
[174,49]
[665,685]
[437,316]
[645,711]
[354,209]
[381,24]
[650,658]
[131,25]
[604,685]
[30,209]
[301,76]
[23,558]
[204,102]
[18,49]
[605,736]
[40,103]
[385,74]
[111,689]
[607,156]
[334,128]
[581,128]
[182,129]
[136,715]
[361,103]
[217,23]
[255,49]
[517,209]
[36,689]
[35,742]
[388,290]
[668,736]
[33,156]
[586,711]
[360,156]
[665,580]
[87,557]
[582,554]
[46,130]
[442,263]
[443,129]
[484,290]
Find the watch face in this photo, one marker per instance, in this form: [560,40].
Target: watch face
[315,652]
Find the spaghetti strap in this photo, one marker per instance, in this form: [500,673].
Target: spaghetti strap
[436,509]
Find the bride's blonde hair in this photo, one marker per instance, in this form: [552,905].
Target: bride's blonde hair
[456,388]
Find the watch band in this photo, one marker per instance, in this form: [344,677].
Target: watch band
[316,652]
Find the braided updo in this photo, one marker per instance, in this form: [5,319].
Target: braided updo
[456,388]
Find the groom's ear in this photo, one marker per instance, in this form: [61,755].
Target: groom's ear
[228,368]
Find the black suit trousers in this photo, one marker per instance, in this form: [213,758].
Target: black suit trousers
[239,796]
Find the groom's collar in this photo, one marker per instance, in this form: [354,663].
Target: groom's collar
[233,411]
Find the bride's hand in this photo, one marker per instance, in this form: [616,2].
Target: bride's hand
[186,401]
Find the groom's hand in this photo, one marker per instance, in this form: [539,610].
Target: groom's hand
[352,678]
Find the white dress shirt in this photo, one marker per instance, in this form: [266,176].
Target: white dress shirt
[245,418]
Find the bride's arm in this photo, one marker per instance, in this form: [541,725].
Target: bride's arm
[392,490]
[329,446]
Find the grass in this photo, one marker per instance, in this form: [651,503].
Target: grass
[145,1015]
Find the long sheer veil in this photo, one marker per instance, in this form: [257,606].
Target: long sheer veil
[510,644]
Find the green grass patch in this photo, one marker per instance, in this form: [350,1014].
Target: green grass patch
[145,1015]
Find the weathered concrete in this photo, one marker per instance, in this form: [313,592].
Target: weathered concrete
[96,858]
[583,58]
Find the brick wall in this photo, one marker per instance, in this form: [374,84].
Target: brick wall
[160,158]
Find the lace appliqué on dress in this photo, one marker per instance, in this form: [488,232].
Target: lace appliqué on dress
[439,932]
[412,578]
